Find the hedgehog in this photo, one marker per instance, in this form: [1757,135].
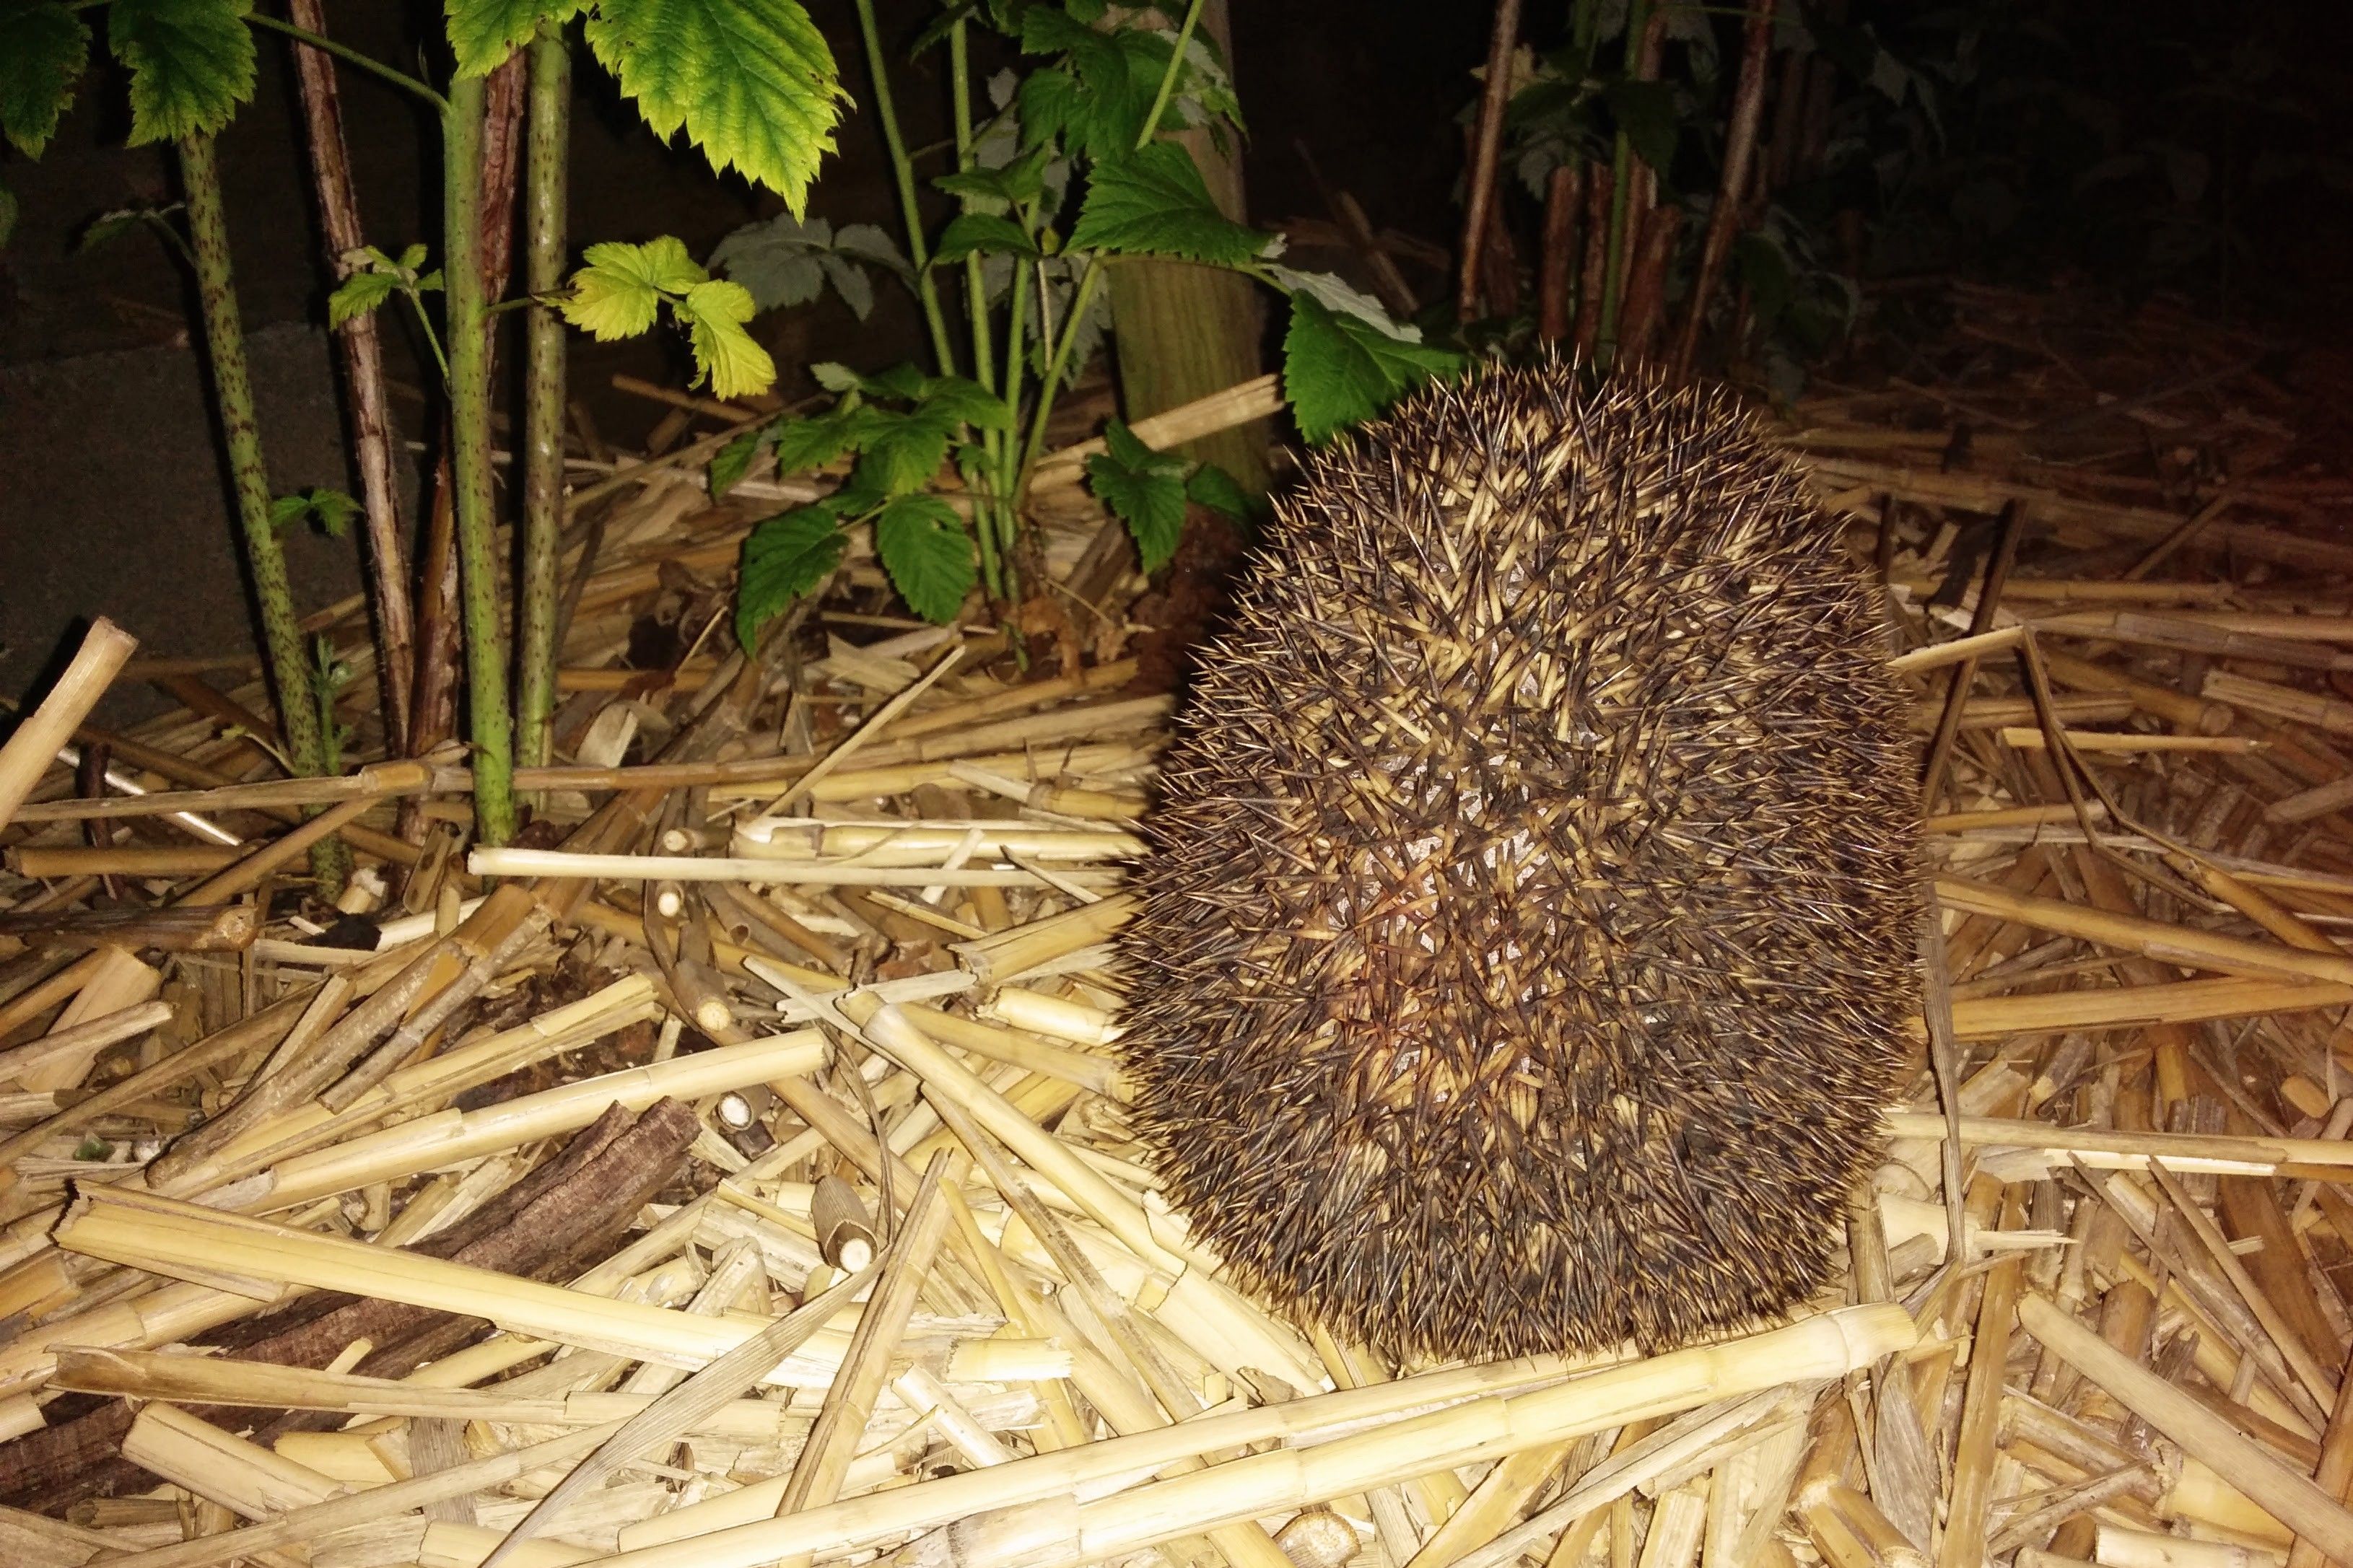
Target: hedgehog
[1523,954]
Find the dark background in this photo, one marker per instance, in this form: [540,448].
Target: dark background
[2061,145]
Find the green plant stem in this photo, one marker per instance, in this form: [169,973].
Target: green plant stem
[432,338]
[987,524]
[344,52]
[281,632]
[1092,279]
[903,169]
[469,463]
[1169,77]
[542,414]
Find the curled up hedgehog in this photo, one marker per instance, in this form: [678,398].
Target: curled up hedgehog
[1524,957]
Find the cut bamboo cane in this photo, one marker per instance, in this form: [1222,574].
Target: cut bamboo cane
[30,750]
[486,861]
[2291,1497]
[81,1040]
[2106,743]
[1070,1532]
[2153,939]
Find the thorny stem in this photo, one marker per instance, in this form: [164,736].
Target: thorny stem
[543,481]
[344,52]
[281,633]
[469,455]
[904,170]
[362,355]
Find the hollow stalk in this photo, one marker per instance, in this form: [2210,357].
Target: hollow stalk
[469,460]
[544,403]
[281,633]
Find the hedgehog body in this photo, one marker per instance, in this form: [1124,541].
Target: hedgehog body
[1524,958]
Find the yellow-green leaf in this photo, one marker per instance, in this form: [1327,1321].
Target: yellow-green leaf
[191,64]
[715,314]
[752,82]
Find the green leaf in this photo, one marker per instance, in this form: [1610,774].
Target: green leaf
[1152,203]
[1022,180]
[615,295]
[750,80]
[716,312]
[484,33]
[1645,111]
[901,453]
[784,558]
[967,401]
[108,227]
[835,376]
[191,64]
[1143,490]
[331,509]
[925,546]
[732,462]
[1339,371]
[805,444]
[1212,487]
[361,293]
[48,50]
[971,232]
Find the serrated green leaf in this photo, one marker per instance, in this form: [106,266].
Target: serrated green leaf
[924,547]
[970,232]
[835,376]
[1143,490]
[1022,179]
[967,401]
[901,380]
[716,312]
[899,454]
[48,49]
[191,64]
[1212,487]
[331,509]
[784,558]
[732,462]
[805,444]
[617,294]
[752,82]
[1152,202]
[484,33]
[359,294]
[1339,370]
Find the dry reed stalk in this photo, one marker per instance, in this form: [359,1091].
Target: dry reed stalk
[1241,404]
[485,861]
[117,981]
[2287,1496]
[1206,1313]
[119,860]
[1291,1478]
[378,781]
[2176,1002]
[2331,714]
[96,1035]
[34,744]
[1959,650]
[2109,742]
[683,1409]
[2284,1339]
[444,1138]
[925,844]
[2192,715]
[818,1473]
[2159,940]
